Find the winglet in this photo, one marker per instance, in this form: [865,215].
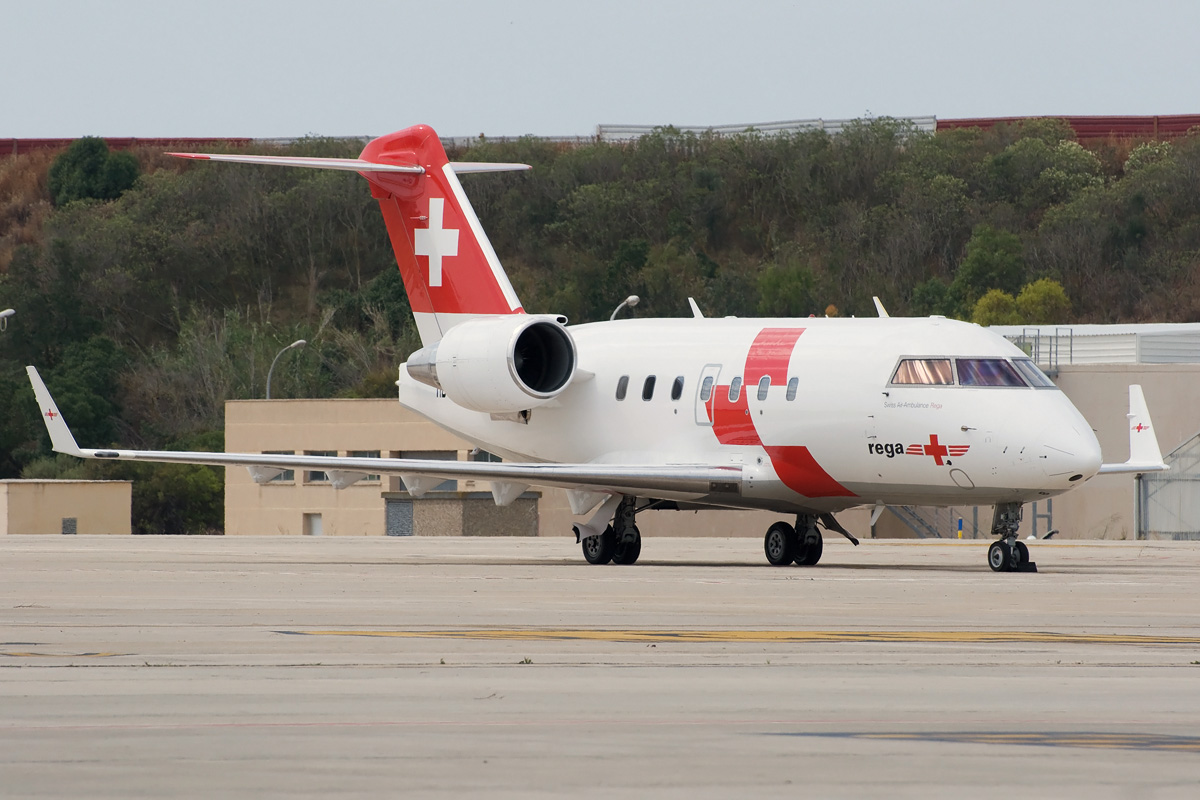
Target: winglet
[879,307]
[1144,452]
[56,426]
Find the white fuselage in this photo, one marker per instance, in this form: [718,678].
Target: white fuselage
[846,437]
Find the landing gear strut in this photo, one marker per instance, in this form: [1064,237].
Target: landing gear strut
[1008,554]
[801,544]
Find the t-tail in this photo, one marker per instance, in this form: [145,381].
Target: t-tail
[450,271]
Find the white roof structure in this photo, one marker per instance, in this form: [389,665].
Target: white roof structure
[1156,343]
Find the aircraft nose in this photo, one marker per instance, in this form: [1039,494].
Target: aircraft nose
[1070,454]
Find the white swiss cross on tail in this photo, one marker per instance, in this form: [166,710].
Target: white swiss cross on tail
[435,241]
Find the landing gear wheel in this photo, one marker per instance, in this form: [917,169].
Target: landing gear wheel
[780,543]
[807,554]
[599,549]
[1000,556]
[1020,556]
[627,552]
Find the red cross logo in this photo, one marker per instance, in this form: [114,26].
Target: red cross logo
[1140,427]
[436,241]
[51,414]
[935,449]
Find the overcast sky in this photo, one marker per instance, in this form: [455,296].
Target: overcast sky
[559,67]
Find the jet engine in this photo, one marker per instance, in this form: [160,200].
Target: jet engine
[499,364]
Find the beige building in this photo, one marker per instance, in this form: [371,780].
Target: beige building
[87,507]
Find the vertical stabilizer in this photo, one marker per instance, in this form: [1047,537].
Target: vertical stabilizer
[450,271]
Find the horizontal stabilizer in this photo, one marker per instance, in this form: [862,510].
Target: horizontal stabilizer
[1144,452]
[351,164]
[347,164]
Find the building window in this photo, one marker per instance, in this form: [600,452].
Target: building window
[648,387]
[622,386]
[484,455]
[316,475]
[365,454]
[435,455]
[677,388]
[288,475]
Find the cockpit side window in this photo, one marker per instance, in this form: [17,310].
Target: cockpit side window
[924,372]
[987,372]
[1032,374]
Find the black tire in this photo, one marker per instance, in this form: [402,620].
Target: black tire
[627,553]
[1020,555]
[1000,556]
[807,555]
[779,544]
[599,549]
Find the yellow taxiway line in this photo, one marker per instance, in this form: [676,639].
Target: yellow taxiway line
[585,634]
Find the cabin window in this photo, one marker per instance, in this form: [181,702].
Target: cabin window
[706,389]
[793,386]
[677,388]
[622,386]
[735,389]
[1034,376]
[987,372]
[764,383]
[648,387]
[924,372]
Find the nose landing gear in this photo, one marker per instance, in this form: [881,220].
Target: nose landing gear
[1008,554]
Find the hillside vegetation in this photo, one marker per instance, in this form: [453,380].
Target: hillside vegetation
[146,312]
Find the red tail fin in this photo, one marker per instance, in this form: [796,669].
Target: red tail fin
[448,265]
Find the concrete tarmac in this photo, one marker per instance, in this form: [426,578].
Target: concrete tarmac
[432,667]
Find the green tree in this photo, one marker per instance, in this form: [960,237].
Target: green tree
[1043,302]
[996,307]
[994,260]
[89,171]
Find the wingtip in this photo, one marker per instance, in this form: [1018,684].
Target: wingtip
[61,438]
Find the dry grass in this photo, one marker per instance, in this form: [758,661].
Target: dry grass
[24,201]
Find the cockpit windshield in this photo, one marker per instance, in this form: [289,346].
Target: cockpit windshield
[924,371]
[955,371]
[987,372]
[1031,373]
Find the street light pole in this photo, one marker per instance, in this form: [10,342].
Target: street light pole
[292,346]
[630,301]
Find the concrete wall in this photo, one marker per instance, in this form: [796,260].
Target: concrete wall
[35,506]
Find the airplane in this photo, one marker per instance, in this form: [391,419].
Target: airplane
[803,417]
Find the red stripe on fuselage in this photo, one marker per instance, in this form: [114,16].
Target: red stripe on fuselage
[733,424]
[770,355]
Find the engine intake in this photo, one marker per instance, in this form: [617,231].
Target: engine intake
[499,364]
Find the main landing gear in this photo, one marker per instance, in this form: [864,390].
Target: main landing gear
[621,542]
[1008,554]
[801,544]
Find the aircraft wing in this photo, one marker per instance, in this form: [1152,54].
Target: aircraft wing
[694,480]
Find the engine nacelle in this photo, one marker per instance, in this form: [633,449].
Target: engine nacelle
[501,364]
